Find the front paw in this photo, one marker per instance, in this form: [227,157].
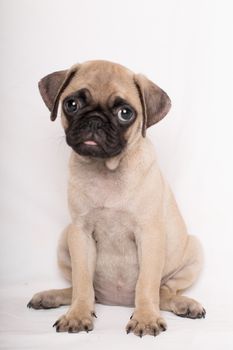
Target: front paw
[75,321]
[146,322]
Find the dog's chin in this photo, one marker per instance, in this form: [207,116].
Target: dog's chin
[92,149]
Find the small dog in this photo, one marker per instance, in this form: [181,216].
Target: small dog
[127,243]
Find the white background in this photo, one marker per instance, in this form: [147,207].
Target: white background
[185,46]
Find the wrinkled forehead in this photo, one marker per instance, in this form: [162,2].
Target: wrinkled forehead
[105,83]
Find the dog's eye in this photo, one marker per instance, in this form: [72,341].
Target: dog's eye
[125,115]
[70,105]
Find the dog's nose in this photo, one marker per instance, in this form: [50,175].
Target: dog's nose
[94,124]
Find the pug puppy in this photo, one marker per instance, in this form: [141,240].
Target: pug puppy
[127,243]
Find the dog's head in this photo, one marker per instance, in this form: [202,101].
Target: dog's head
[104,106]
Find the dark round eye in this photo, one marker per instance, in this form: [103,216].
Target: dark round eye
[125,114]
[70,105]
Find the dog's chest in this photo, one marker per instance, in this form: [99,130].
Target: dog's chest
[104,193]
[117,263]
[101,190]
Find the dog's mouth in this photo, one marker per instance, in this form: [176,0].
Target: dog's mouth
[89,147]
[90,143]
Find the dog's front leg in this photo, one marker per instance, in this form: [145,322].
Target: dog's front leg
[83,258]
[146,318]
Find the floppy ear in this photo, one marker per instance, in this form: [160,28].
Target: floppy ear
[52,86]
[155,102]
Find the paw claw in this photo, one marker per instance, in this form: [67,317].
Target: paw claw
[203,313]
[86,329]
[164,328]
[56,323]
[128,330]
[72,330]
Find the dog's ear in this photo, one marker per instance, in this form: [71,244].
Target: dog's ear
[155,102]
[52,86]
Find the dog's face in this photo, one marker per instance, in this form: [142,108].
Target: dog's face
[104,106]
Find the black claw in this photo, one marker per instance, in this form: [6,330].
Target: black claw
[58,329]
[140,333]
[128,330]
[29,304]
[155,333]
[56,323]
[93,314]
[86,329]
[72,330]
[131,317]
[163,328]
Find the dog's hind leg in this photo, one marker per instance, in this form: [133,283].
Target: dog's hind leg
[56,297]
[51,298]
[171,289]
